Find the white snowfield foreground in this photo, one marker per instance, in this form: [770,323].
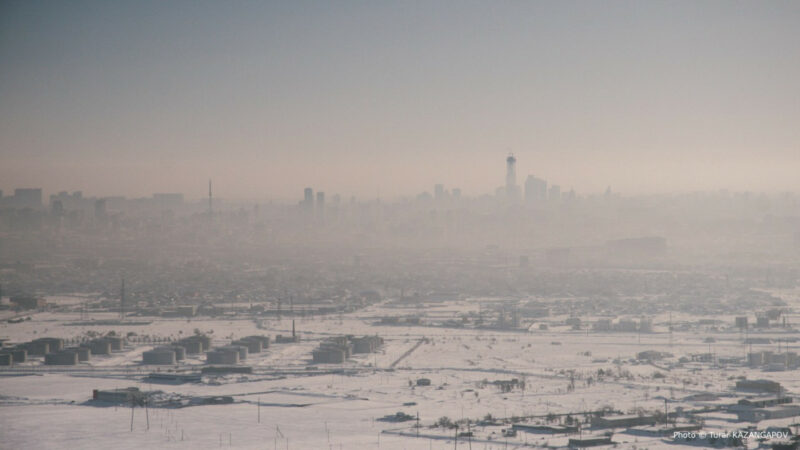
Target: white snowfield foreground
[289,402]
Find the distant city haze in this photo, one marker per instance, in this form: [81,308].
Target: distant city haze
[380,99]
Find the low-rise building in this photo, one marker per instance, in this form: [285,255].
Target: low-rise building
[54,344]
[366,344]
[758,386]
[242,350]
[18,354]
[624,421]
[328,355]
[252,345]
[116,342]
[191,346]
[28,302]
[222,356]
[768,413]
[176,378]
[83,353]
[159,356]
[264,340]
[98,346]
[120,396]
[62,358]
[37,348]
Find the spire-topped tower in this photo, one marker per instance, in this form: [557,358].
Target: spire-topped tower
[511,172]
[512,190]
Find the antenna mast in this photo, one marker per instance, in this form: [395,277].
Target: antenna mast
[122,300]
[210,197]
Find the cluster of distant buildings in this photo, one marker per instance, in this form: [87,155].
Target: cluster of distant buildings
[773,361]
[231,354]
[23,198]
[32,198]
[536,189]
[56,354]
[624,325]
[26,302]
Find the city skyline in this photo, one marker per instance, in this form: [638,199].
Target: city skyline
[385,99]
[529,187]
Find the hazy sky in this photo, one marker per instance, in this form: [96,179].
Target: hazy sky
[368,97]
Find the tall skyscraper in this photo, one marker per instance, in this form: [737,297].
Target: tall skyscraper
[511,171]
[307,205]
[320,206]
[512,190]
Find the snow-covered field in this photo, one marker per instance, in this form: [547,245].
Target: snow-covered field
[47,407]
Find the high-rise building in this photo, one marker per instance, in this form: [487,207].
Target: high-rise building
[535,189]
[512,190]
[511,171]
[320,206]
[28,198]
[555,193]
[307,205]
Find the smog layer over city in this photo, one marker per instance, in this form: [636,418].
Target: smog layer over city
[399,225]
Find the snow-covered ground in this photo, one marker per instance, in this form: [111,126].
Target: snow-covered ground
[305,408]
